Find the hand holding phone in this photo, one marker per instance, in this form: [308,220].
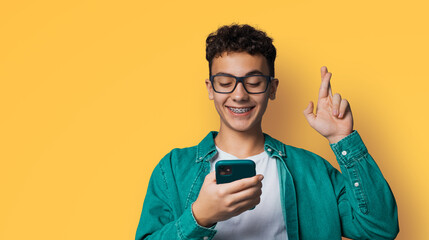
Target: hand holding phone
[218,202]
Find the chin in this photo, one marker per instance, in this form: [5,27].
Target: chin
[241,127]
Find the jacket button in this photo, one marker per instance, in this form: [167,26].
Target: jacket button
[344,153]
[269,149]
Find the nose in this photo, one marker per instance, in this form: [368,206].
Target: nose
[240,93]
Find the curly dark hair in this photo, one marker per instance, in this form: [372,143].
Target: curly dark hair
[240,38]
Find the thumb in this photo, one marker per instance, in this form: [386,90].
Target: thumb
[308,113]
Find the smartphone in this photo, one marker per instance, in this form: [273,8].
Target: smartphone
[232,170]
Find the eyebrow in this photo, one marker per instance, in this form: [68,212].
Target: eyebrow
[253,72]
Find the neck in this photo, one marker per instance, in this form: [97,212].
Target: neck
[240,144]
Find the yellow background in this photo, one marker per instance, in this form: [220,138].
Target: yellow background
[94,93]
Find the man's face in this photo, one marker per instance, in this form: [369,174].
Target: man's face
[240,64]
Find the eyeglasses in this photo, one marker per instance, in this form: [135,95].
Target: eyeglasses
[253,84]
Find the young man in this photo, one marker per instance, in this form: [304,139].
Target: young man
[296,193]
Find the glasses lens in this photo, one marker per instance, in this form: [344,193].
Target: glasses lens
[256,84]
[223,83]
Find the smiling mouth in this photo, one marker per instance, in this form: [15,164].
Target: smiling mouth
[240,110]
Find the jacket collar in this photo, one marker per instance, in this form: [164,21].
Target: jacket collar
[206,149]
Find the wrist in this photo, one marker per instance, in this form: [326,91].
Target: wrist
[204,222]
[337,138]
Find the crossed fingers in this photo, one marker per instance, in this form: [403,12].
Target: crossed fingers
[338,106]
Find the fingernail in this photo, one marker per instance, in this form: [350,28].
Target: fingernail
[261,177]
[340,116]
[335,112]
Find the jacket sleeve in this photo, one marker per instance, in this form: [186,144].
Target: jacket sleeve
[158,220]
[366,203]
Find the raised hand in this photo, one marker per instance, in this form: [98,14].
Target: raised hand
[333,118]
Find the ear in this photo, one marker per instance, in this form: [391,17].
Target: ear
[273,88]
[209,89]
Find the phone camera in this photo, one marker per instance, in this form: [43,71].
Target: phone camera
[225,170]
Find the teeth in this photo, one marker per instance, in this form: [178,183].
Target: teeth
[239,110]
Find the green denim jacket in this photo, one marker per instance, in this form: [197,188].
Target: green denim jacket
[318,202]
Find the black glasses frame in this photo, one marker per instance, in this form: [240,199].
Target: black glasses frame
[241,79]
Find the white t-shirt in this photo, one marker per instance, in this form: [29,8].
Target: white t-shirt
[265,221]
